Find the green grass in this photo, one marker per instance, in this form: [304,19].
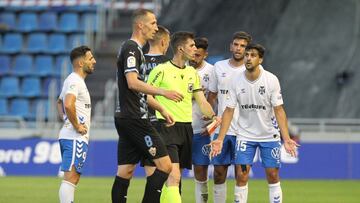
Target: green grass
[97,190]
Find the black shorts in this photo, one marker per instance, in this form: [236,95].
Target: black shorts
[178,140]
[138,139]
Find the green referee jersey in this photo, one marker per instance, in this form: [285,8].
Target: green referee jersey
[183,80]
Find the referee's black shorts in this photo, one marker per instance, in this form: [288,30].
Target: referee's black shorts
[178,140]
[138,139]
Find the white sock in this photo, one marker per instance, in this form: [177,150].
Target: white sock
[220,193]
[66,192]
[275,193]
[201,191]
[241,194]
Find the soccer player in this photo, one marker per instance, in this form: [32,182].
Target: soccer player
[175,74]
[200,150]
[219,88]
[74,106]
[137,137]
[257,93]
[156,55]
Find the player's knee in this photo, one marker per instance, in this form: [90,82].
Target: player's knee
[219,176]
[272,176]
[165,166]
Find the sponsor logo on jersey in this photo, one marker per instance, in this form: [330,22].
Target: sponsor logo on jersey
[205,149]
[252,106]
[224,91]
[223,75]
[262,90]
[243,90]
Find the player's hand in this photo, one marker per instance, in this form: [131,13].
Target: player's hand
[173,95]
[210,127]
[216,147]
[82,129]
[170,121]
[290,147]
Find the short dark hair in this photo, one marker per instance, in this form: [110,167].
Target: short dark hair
[78,52]
[258,47]
[179,38]
[201,42]
[139,13]
[162,31]
[242,35]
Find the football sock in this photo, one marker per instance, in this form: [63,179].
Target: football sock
[201,191]
[275,193]
[163,193]
[220,193]
[153,186]
[119,190]
[172,195]
[241,194]
[66,192]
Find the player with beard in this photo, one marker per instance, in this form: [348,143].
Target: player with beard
[219,88]
[261,121]
[74,106]
[201,140]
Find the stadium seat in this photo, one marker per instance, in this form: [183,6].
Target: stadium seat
[57,44]
[8,19]
[69,22]
[12,43]
[9,87]
[48,21]
[37,43]
[39,106]
[3,107]
[23,65]
[31,87]
[27,22]
[76,40]
[43,66]
[46,86]
[88,21]
[20,107]
[5,64]
[62,65]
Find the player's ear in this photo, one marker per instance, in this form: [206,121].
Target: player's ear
[260,60]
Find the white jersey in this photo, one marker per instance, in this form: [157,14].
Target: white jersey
[224,73]
[256,101]
[206,74]
[74,84]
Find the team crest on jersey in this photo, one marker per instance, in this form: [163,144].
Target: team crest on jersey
[190,87]
[262,90]
[152,151]
[206,77]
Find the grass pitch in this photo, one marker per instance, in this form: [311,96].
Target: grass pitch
[97,190]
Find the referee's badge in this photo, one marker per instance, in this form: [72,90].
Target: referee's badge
[152,151]
[190,87]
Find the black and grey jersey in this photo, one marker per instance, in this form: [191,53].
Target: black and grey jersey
[131,104]
[153,60]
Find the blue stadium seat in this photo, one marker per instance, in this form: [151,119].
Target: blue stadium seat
[76,40]
[57,44]
[20,107]
[8,19]
[43,66]
[48,21]
[3,107]
[27,22]
[88,21]
[23,65]
[37,42]
[62,65]
[31,87]
[5,63]
[12,43]
[46,86]
[69,22]
[9,87]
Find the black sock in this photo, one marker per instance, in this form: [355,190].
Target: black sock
[119,190]
[180,186]
[154,184]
